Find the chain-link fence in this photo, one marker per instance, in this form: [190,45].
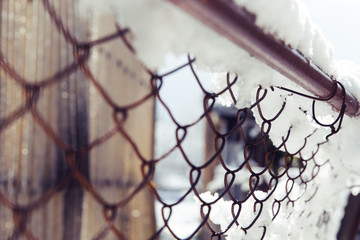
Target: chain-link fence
[77,127]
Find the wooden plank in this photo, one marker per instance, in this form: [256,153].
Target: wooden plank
[115,170]
[31,162]
[29,159]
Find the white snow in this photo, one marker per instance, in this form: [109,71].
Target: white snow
[158,27]
[290,22]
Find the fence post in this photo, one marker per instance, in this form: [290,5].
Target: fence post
[31,163]
[114,166]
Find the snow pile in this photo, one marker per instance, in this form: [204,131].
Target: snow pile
[290,22]
[315,219]
[320,217]
[158,27]
[349,75]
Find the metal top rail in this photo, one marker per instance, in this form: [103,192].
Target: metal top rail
[238,26]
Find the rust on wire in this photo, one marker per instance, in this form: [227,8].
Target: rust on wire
[238,26]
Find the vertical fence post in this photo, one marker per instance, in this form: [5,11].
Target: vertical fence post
[31,164]
[114,166]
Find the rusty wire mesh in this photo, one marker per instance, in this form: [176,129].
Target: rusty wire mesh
[270,160]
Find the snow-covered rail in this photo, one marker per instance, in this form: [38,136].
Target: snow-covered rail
[238,25]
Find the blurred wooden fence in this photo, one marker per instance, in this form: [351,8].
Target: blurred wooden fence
[31,162]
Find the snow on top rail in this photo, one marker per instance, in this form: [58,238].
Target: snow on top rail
[241,28]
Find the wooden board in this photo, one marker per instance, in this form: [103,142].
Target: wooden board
[32,162]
